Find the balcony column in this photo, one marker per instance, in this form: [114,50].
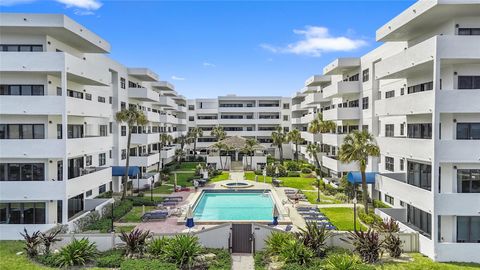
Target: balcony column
[63,82]
[435,137]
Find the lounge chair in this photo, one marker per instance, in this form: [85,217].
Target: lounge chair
[290,191]
[306,208]
[154,215]
[313,218]
[288,228]
[168,203]
[173,199]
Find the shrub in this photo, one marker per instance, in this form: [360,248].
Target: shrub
[47,260]
[380,204]
[139,201]
[260,260]
[120,208]
[344,261]
[102,225]
[314,237]
[78,252]
[275,242]
[341,197]
[272,168]
[157,246]
[31,242]
[306,170]
[84,223]
[258,172]
[366,244]
[110,259]
[368,218]
[135,242]
[330,190]
[388,225]
[223,259]
[146,264]
[107,194]
[293,174]
[48,238]
[292,166]
[294,251]
[393,245]
[182,250]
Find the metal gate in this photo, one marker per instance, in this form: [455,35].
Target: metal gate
[241,238]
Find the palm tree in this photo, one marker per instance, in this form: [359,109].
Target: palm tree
[219,133]
[249,149]
[357,147]
[183,140]
[318,125]
[179,155]
[295,137]
[164,140]
[132,117]
[278,139]
[194,134]
[220,146]
[313,149]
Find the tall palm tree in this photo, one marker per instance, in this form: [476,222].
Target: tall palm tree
[249,149]
[318,125]
[219,133]
[357,147]
[220,146]
[313,149]
[278,139]
[165,139]
[194,134]
[183,140]
[295,137]
[179,155]
[132,117]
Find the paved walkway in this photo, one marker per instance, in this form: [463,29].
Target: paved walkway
[242,261]
[237,176]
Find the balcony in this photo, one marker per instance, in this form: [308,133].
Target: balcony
[90,108]
[95,176]
[181,108]
[458,204]
[145,160]
[152,116]
[341,65]
[167,153]
[333,139]
[317,80]
[89,145]
[310,137]
[308,118]
[167,102]
[314,99]
[349,113]
[143,74]
[458,151]
[182,121]
[334,164]
[416,103]
[163,85]
[242,121]
[296,120]
[145,138]
[298,107]
[32,190]
[341,88]
[421,149]
[265,121]
[448,101]
[31,105]
[395,184]
[32,148]
[143,94]
[209,122]
[168,119]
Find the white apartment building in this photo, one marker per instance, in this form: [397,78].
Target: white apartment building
[58,136]
[419,94]
[249,117]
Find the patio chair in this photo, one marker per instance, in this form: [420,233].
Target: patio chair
[154,215]
[168,203]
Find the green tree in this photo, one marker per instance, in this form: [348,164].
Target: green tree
[295,137]
[249,149]
[165,139]
[318,125]
[179,155]
[132,117]
[278,139]
[219,133]
[194,134]
[357,147]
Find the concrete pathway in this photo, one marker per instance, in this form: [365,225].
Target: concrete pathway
[237,176]
[349,205]
[242,261]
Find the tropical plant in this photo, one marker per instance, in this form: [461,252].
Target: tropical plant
[182,250]
[219,133]
[219,146]
[388,225]
[77,252]
[132,117]
[183,140]
[110,259]
[344,261]
[249,149]
[179,155]
[31,242]
[366,244]
[135,242]
[195,133]
[318,125]
[295,137]
[165,139]
[393,245]
[294,251]
[313,149]
[157,246]
[314,237]
[278,139]
[357,147]
[275,241]
[49,238]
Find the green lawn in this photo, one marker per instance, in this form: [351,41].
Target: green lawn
[135,214]
[293,182]
[126,228]
[324,199]
[10,261]
[187,166]
[221,177]
[163,189]
[421,262]
[182,179]
[342,218]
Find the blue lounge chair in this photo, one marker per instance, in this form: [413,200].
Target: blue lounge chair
[154,215]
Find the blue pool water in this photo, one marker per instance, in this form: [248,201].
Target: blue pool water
[234,206]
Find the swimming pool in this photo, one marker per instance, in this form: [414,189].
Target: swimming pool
[234,205]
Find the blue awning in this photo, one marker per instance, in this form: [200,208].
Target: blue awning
[120,170]
[356,177]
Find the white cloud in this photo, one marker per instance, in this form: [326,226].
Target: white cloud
[81,12]
[315,41]
[176,78]
[14,2]
[207,64]
[84,4]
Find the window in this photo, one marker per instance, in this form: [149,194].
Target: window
[75,131]
[191,107]
[352,104]
[21,90]
[286,129]
[103,130]
[88,193]
[22,213]
[402,129]
[88,161]
[420,219]
[419,175]
[389,130]
[285,118]
[122,82]
[124,154]
[22,172]
[468,31]
[419,131]
[389,199]
[468,180]
[74,94]
[110,100]
[402,91]
[468,229]
[353,78]
[468,131]
[102,159]
[286,106]
[365,127]
[110,127]
[402,164]
[59,131]
[110,154]
[402,203]
[389,164]
[60,170]
[192,118]
[364,103]
[365,75]
[420,87]
[59,91]
[101,99]
[21,48]
[390,94]
[102,189]
[22,131]
[123,106]
[123,131]
[468,82]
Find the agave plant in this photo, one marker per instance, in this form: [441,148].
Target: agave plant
[49,238]
[344,261]
[294,251]
[275,242]
[31,242]
[182,250]
[78,252]
[367,244]
[135,242]
[314,237]
[157,246]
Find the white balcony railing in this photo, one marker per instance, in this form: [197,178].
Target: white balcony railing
[349,113]
[31,105]
[88,145]
[32,148]
[32,190]
[91,180]
[416,103]
[341,88]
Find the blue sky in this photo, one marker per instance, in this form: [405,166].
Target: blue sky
[210,48]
